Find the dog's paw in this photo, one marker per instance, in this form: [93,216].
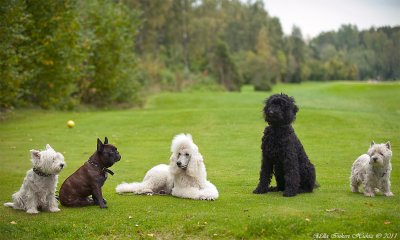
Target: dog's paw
[289,194]
[32,211]
[260,190]
[388,194]
[354,189]
[273,189]
[369,194]
[55,209]
[147,191]
[207,198]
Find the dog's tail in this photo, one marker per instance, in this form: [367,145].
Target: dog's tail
[136,187]
[9,204]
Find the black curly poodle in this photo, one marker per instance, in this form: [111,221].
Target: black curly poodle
[282,152]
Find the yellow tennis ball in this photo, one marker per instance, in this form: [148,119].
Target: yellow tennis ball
[70,124]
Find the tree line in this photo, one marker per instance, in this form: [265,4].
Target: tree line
[58,54]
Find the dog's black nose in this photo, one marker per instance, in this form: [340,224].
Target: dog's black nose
[374,158]
[62,165]
[179,164]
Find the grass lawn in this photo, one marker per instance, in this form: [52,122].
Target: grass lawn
[336,123]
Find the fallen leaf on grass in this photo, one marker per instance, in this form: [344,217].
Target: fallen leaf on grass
[386,222]
[334,210]
[13,222]
[150,235]
[308,220]
[130,217]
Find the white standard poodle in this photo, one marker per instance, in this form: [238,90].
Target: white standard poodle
[185,177]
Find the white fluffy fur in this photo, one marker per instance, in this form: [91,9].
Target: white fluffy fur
[38,192]
[372,170]
[189,180]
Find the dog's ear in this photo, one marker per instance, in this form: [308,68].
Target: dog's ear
[100,146]
[48,147]
[35,154]
[195,164]
[372,143]
[388,145]
[173,157]
[172,164]
[295,108]
[105,140]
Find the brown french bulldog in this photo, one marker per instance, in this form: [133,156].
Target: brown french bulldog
[89,179]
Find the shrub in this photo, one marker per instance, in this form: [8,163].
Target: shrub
[12,40]
[52,55]
[108,30]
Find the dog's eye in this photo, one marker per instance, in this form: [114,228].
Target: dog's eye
[179,154]
[187,154]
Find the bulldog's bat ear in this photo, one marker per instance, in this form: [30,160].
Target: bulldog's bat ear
[100,145]
[105,140]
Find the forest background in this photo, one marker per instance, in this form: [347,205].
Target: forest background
[65,54]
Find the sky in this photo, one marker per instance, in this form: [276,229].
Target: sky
[315,16]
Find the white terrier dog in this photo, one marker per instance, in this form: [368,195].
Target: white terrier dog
[373,170]
[185,177]
[39,186]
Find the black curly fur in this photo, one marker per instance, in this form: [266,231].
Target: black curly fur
[282,152]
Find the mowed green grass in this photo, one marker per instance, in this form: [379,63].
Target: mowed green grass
[336,123]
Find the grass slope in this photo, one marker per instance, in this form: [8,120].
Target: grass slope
[336,123]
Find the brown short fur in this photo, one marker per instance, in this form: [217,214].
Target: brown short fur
[89,179]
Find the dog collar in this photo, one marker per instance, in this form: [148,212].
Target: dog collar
[40,173]
[102,169]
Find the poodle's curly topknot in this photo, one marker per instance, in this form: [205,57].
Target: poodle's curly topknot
[183,141]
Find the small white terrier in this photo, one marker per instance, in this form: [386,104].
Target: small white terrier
[39,186]
[184,177]
[373,170]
